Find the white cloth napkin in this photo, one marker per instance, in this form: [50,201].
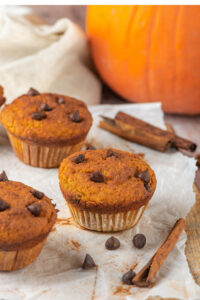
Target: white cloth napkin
[48,58]
[57,273]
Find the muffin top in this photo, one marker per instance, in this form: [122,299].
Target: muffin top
[2,99]
[47,118]
[26,215]
[106,181]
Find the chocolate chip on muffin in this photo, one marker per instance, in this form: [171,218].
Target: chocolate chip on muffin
[97,177]
[90,147]
[45,107]
[3,176]
[75,116]
[3,205]
[88,262]
[38,115]
[35,209]
[112,243]
[144,176]
[78,159]
[32,92]
[111,153]
[37,194]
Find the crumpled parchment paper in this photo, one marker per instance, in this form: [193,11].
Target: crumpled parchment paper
[57,273]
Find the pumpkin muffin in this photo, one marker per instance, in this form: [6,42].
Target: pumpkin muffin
[106,190]
[45,128]
[26,218]
[2,98]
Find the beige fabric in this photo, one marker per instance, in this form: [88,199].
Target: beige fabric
[48,58]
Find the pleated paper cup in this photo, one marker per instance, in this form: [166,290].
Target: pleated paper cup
[41,156]
[106,222]
[18,259]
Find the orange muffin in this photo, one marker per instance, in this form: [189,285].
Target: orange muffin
[26,218]
[2,98]
[45,128]
[106,190]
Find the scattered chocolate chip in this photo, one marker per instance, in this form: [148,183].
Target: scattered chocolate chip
[37,194]
[128,276]
[45,107]
[3,176]
[75,117]
[57,210]
[88,262]
[111,153]
[61,100]
[147,187]
[144,176]
[40,115]
[32,92]
[112,243]
[3,205]
[78,159]
[97,177]
[90,147]
[139,240]
[35,209]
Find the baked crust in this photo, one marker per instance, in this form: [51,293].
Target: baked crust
[56,129]
[120,192]
[19,228]
[2,99]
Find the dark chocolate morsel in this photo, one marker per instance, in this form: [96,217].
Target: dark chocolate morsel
[38,115]
[78,159]
[35,209]
[88,262]
[128,276]
[147,187]
[90,147]
[32,92]
[3,205]
[97,177]
[112,243]
[111,153]
[144,176]
[37,194]
[3,176]
[75,117]
[45,107]
[139,240]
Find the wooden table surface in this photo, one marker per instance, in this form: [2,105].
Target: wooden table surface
[188,127]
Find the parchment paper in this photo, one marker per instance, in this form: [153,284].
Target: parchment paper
[57,273]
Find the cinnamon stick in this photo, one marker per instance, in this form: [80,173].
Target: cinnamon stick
[143,133]
[145,276]
[2,98]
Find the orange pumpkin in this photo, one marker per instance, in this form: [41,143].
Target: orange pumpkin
[149,53]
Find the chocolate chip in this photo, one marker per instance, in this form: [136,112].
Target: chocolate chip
[75,117]
[97,177]
[78,159]
[144,176]
[111,153]
[32,92]
[88,262]
[112,243]
[61,100]
[38,115]
[37,194]
[147,187]
[35,209]
[75,201]
[45,107]
[90,147]
[128,276]
[3,205]
[3,176]
[139,240]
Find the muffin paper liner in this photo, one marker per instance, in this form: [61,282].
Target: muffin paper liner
[39,155]
[13,260]
[106,222]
